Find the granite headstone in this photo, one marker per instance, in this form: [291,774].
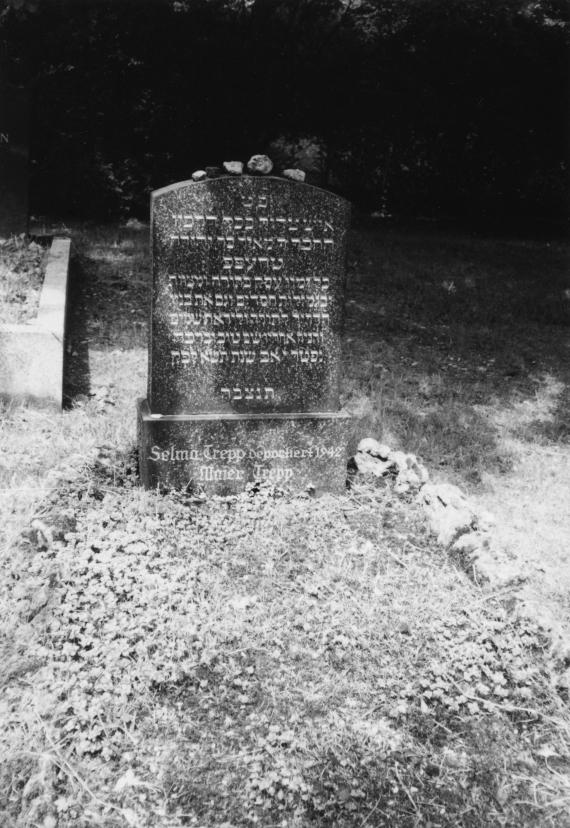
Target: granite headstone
[14,114]
[246,317]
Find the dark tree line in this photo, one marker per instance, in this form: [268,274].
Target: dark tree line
[433,107]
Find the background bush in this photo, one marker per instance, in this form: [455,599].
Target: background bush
[423,107]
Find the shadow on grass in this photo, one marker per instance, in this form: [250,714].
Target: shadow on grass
[439,326]
[76,373]
[117,286]
[552,431]
[107,302]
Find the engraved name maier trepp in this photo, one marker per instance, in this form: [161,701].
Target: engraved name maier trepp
[246,317]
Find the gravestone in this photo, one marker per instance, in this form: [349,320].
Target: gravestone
[14,114]
[244,354]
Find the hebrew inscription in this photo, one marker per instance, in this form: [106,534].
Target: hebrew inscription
[248,282]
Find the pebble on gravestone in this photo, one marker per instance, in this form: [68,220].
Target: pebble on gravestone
[214,172]
[199,175]
[295,175]
[260,164]
[233,167]
[247,311]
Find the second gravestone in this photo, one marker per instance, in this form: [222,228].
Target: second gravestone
[13,160]
[244,356]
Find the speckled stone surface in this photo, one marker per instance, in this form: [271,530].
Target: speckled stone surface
[13,160]
[248,297]
[221,454]
[247,312]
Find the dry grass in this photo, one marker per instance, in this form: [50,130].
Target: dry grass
[267,660]
[22,266]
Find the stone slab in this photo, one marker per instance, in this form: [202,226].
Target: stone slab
[220,454]
[14,174]
[248,296]
[31,353]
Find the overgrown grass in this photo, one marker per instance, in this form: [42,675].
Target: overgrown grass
[271,660]
[22,266]
[266,659]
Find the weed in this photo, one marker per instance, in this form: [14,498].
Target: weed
[269,659]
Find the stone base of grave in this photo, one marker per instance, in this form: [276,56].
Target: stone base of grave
[31,353]
[221,454]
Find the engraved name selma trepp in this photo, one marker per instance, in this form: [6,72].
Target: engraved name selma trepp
[174,454]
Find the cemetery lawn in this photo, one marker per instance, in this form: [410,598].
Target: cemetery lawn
[288,661]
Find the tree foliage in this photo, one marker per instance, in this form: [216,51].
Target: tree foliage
[423,106]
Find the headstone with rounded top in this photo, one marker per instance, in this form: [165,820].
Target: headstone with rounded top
[244,356]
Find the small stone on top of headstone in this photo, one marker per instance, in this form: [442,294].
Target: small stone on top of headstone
[295,175]
[214,172]
[199,175]
[233,167]
[135,224]
[260,164]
